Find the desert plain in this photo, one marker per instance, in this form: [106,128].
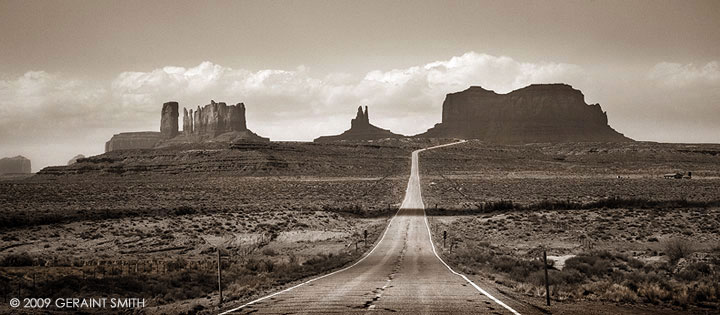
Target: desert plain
[150,223]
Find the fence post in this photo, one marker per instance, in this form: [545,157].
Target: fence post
[547,284]
[444,238]
[219,277]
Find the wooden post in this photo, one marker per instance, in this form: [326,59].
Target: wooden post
[219,276]
[547,284]
[365,234]
[444,238]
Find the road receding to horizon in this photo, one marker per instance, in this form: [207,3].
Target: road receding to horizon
[401,274]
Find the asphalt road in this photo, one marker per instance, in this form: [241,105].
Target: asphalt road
[401,274]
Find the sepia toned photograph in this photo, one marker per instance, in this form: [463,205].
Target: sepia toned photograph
[353,157]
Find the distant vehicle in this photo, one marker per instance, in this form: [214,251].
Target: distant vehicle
[678,175]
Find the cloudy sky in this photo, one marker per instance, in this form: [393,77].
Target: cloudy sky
[73,73]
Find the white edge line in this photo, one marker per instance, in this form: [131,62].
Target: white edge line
[463,276]
[371,251]
[318,278]
[441,260]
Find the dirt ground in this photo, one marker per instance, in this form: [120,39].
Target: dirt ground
[152,231]
[656,255]
[465,175]
[147,224]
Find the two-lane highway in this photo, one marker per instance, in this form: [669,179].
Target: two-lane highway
[401,274]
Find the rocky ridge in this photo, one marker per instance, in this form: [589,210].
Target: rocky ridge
[360,130]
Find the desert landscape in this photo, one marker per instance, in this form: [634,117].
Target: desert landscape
[351,157]
[628,227]
[614,228]
[273,211]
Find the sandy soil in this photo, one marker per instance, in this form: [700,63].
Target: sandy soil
[279,214]
[632,243]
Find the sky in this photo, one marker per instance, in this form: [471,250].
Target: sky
[73,73]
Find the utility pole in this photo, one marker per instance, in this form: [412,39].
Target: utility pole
[219,276]
[547,284]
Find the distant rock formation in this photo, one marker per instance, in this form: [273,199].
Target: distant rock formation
[215,122]
[536,113]
[187,121]
[75,159]
[361,129]
[214,119]
[169,120]
[133,140]
[15,165]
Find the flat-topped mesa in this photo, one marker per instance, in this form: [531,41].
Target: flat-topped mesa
[15,165]
[133,140]
[361,130]
[536,113]
[214,119]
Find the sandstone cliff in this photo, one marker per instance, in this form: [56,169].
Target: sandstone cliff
[360,130]
[536,113]
[15,165]
[133,140]
[215,122]
[169,120]
[214,119]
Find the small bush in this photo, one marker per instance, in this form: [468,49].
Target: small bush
[590,265]
[653,293]
[677,248]
[619,293]
[185,210]
[177,264]
[17,260]
[706,292]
